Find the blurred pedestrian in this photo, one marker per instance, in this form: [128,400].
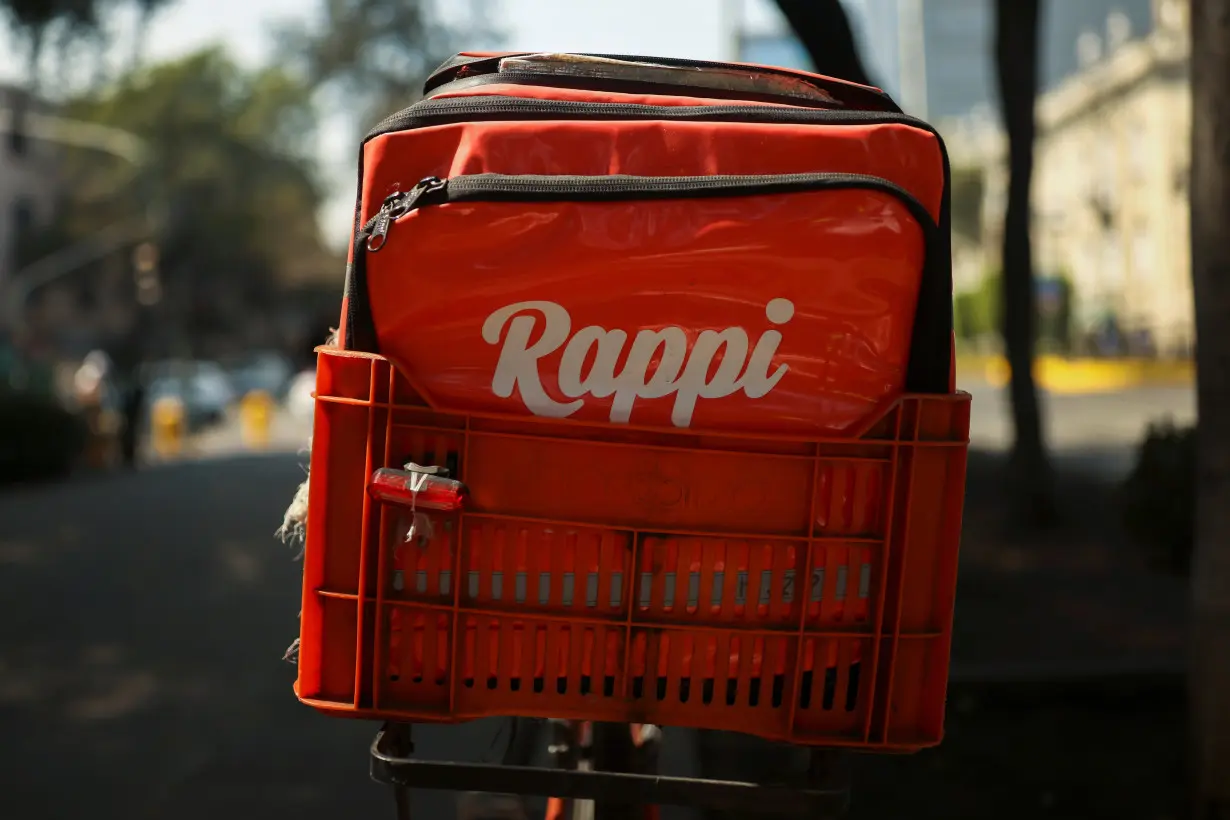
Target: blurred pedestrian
[133,410]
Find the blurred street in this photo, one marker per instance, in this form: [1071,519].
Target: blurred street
[147,614]
[146,618]
[1100,429]
[177,208]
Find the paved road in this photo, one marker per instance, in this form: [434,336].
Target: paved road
[140,655]
[1076,423]
[146,615]
[1100,429]
[140,671]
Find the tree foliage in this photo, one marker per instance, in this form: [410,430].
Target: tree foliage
[33,16]
[978,312]
[35,23]
[226,182]
[373,55]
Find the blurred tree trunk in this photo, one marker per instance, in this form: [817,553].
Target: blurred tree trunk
[1210,220]
[1016,62]
[824,30]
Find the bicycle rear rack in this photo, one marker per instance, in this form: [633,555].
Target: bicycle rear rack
[822,791]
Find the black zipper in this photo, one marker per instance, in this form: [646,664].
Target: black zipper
[613,188]
[426,113]
[494,108]
[847,93]
[929,364]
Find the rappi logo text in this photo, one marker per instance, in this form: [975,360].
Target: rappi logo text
[684,371]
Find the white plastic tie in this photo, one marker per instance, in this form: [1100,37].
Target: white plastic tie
[420,525]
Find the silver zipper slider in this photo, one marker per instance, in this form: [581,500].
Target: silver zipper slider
[384,219]
[426,185]
[397,205]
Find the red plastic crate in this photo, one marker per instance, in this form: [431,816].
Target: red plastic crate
[633,574]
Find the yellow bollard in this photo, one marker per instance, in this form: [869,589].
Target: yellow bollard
[256,417]
[167,426]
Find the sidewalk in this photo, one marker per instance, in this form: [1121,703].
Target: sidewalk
[287,434]
[1075,602]
[1042,625]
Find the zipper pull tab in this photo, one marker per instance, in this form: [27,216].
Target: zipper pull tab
[397,205]
[382,222]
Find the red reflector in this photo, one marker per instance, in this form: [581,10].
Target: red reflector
[421,491]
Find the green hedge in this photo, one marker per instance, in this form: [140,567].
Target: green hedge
[39,438]
[978,313]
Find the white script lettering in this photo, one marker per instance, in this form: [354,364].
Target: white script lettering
[680,371]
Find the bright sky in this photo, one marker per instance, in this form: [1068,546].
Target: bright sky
[676,28]
[667,28]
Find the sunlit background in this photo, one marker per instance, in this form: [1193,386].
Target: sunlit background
[176,196]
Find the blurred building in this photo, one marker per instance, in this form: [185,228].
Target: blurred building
[88,295]
[975,145]
[937,56]
[1111,199]
[28,179]
[757,33]
[70,315]
[1110,195]
[933,56]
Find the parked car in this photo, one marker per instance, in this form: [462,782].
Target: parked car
[265,370]
[203,387]
[299,399]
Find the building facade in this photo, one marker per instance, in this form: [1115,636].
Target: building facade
[1110,188]
[953,59]
[28,180]
[930,55]
[1110,196]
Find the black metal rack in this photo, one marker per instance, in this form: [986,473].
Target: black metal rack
[822,791]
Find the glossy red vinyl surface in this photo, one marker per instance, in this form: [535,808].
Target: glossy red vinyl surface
[907,156]
[785,313]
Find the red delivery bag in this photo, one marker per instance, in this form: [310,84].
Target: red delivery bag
[643,408]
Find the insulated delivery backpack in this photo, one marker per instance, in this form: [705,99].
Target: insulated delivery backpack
[642,408]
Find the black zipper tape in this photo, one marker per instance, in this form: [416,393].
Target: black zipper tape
[500,108]
[930,346]
[935,306]
[847,93]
